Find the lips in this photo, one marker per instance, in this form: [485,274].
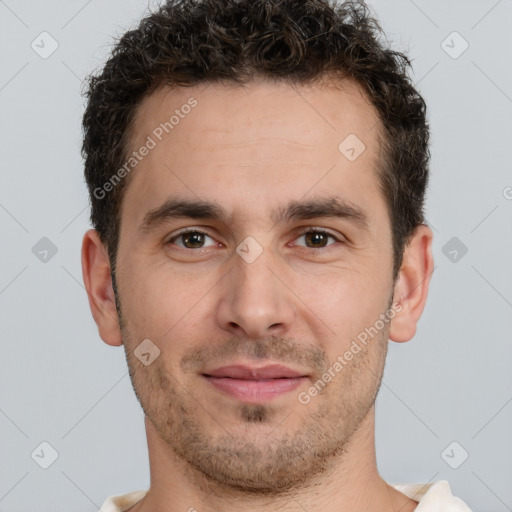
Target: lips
[274,371]
[254,385]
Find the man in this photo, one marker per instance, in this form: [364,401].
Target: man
[257,171]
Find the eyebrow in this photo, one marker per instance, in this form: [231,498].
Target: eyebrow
[327,207]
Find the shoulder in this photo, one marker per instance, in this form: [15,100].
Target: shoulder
[122,502]
[436,496]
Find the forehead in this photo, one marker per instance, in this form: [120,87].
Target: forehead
[265,139]
[304,114]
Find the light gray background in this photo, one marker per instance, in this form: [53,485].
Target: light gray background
[62,385]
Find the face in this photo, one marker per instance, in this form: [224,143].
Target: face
[249,239]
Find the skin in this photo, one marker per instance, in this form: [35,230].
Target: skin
[252,150]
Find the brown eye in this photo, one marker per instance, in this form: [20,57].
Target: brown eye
[316,239]
[191,240]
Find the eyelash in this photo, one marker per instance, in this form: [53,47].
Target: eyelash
[301,233]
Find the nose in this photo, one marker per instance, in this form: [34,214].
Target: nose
[254,301]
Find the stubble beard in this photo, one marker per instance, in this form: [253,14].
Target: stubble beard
[242,460]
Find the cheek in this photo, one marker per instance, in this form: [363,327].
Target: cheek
[346,301]
[161,301]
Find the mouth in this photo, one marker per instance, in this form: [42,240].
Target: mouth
[255,385]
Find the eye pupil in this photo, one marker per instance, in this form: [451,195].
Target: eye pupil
[193,239]
[316,238]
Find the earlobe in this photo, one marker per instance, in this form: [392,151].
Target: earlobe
[98,283]
[411,288]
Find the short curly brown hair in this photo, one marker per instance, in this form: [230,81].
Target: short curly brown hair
[188,42]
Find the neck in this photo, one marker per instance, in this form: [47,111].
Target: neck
[352,484]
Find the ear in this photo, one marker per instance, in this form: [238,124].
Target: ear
[98,283]
[411,286]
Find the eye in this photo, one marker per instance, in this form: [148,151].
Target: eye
[191,239]
[316,238]
[195,239]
